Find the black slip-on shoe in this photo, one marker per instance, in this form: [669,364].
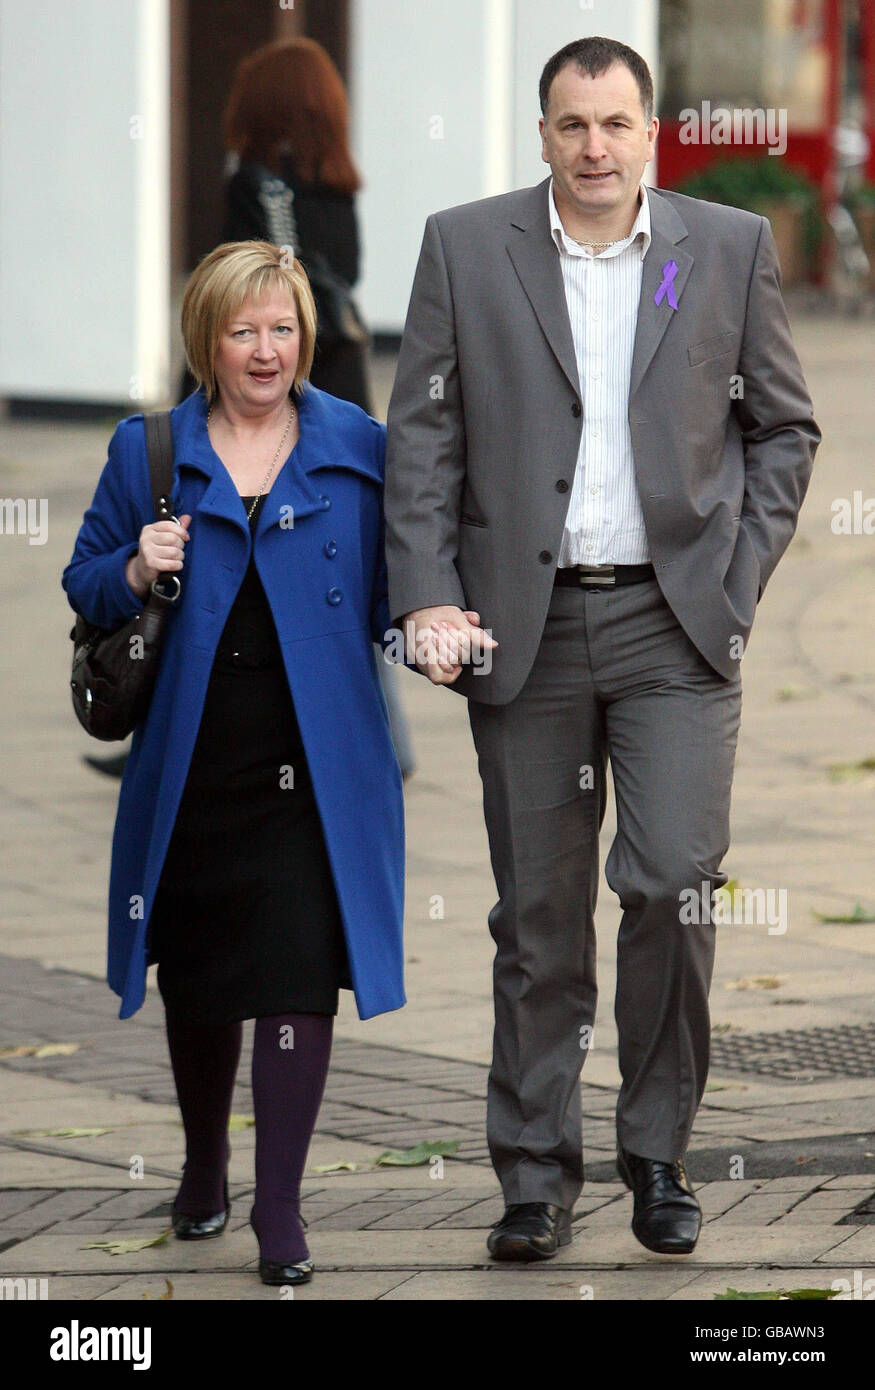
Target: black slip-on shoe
[274,1272]
[278,1271]
[186,1227]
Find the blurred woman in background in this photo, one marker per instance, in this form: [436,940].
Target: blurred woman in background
[292,182]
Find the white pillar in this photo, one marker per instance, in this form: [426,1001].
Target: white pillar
[84,191]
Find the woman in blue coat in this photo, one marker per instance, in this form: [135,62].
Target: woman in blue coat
[258,853]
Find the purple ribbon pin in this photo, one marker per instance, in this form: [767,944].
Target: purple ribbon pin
[669,271]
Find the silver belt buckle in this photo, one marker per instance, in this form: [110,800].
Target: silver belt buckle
[603,575]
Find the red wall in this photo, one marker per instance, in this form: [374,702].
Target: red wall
[675,162]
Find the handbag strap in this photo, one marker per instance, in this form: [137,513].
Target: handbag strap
[159,446]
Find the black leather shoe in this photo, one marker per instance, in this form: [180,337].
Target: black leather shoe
[530,1231]
[667,1217]
[276,1271]
[200,1227]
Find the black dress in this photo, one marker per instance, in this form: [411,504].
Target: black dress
[246,920]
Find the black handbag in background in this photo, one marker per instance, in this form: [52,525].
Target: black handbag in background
[114,672]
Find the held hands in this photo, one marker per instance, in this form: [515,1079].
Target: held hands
[161,552]
[441,639]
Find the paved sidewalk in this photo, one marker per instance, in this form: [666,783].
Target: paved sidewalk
[380,1232]
[783,1152]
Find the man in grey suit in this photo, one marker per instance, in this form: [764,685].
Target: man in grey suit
[599,440]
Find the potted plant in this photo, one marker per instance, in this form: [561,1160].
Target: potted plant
[768,186]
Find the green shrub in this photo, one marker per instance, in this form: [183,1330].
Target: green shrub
[750,183]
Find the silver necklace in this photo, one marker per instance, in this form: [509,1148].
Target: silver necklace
[269,473]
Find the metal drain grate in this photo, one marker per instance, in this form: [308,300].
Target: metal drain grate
[798,1054]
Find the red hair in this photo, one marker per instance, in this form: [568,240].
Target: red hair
[289,93]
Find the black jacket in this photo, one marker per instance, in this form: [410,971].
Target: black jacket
[326,219]
[326,222]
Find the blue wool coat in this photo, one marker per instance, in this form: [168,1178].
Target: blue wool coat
[319,552]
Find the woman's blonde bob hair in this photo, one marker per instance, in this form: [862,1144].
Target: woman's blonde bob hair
[223,281]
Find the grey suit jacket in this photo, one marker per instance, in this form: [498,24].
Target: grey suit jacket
[485,419]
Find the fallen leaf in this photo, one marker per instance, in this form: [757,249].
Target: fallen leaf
[859,914]
[735,1295]
[86,1132]
[731,886]
[810,1293]
[796,692]
[845,772]
[756,982]
[412,1158]
[793,1295]
[343,1166]
[241,1121]
[40,1050]
[127,1247]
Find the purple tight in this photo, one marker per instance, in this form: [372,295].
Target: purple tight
[290,1059]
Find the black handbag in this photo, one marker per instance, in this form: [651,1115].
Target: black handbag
[114,672]
[338,318]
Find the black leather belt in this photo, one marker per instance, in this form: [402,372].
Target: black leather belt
[603,576]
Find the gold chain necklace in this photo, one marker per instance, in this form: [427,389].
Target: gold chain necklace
[269,473]
[598,246]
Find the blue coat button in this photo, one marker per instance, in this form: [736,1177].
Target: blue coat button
[334,596]
[329,549]
[326,502]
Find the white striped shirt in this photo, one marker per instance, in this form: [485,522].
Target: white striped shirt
[604,523]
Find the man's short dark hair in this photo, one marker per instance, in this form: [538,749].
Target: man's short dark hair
[594,56]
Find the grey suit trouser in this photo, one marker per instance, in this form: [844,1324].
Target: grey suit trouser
[615,677]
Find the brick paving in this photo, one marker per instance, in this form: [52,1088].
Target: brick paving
[377,1097]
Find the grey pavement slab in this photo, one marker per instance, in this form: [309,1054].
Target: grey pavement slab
[542,1283]
[858,1249]
[438,1248]
[22,1168]
[237,1285]
[85,1287]
[758,1210]
[50,1254]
